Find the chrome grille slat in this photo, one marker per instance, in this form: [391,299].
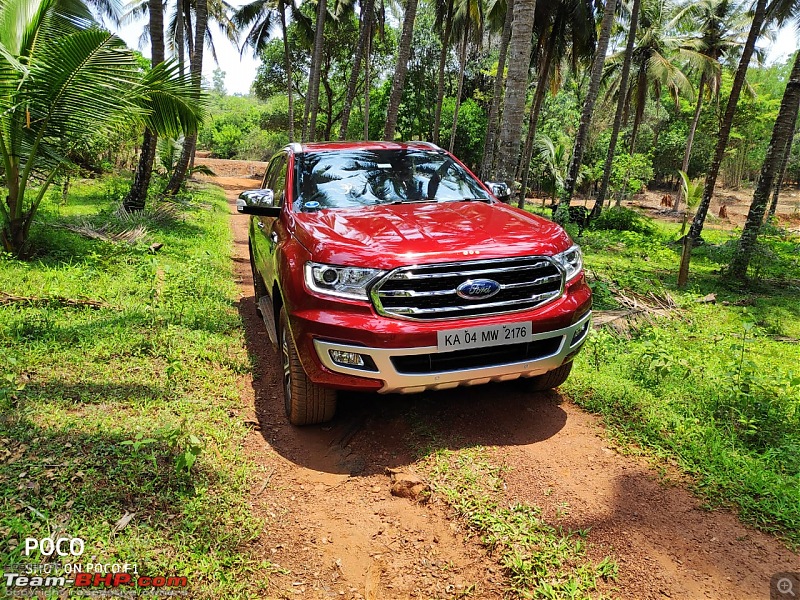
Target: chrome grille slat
[410,310]
[406,276]
[429,292]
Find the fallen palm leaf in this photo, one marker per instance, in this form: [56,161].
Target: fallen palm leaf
[6,298]
[104,233]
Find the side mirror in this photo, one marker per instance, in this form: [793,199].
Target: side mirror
[500,189]
[258,203]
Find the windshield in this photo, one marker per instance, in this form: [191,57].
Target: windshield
[354,178]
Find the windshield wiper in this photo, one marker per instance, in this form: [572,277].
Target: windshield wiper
[412,201]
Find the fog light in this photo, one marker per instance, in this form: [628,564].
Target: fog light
[580,334]
[346,358]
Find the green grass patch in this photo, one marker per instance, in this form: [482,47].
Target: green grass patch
[539,560]
[122,404]
[713,388]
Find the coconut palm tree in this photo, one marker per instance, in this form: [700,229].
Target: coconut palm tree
[516,87]
[495,9]
[444,16]
[260,16]
[364,33]
[62,80]
[312,95]
[588,109]
[565,29]
[660,52]
[196,74]
[756,25]
[633,23]
[469,19]
[787,152]
[782,132]
[400,70]
[137,196]
[722,29]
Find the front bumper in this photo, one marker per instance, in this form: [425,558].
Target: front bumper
[548,351]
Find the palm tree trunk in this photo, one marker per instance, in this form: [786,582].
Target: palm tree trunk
[487,163]
[366,20]
[638,113]
[316,70]
[287,60]
[400,70]
[787,152]
[588,107]
[541,88]
[781,134]
[462,66]
[690,140]
[367,82]
[179,38]
[520,46]
[448,28]
[196,71]
[623,86]
[137,196]
[722,141]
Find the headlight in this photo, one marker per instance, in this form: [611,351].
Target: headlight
[344,282]
[571,260]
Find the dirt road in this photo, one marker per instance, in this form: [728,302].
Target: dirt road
[332,529]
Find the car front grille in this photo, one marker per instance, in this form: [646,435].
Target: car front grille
[429,292]
[475,358]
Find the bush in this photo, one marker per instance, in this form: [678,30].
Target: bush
[261,145]
[619,218]
[630,173]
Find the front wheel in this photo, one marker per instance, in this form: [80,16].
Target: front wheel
[549,380]
[306,402]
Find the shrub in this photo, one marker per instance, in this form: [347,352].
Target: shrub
[619,218]
[630,173]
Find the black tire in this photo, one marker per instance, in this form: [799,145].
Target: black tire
[549,380]
[306,403]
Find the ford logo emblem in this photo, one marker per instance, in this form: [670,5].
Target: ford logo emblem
[478,289]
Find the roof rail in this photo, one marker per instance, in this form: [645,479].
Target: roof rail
[430,145]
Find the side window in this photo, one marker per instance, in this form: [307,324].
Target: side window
[267,175]
[277,179]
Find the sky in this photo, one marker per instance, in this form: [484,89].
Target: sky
[241,71]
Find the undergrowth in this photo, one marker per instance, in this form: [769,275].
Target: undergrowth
[117,407]
[712,385]
[539,560]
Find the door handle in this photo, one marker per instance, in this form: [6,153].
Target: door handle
[274,237]
[260,225]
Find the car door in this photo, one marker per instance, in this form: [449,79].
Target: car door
[265,232]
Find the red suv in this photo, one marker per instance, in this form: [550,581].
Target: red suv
[390,267]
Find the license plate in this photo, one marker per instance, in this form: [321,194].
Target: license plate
[481,337]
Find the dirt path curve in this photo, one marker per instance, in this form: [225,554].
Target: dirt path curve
[335,531]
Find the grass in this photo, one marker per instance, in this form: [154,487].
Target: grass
[711,388]
[539,560]
[125,408]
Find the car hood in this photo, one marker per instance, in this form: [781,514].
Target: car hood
[388,236]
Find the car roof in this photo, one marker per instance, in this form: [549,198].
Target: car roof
[362,145]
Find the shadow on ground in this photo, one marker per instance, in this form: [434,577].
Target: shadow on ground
[372,432]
